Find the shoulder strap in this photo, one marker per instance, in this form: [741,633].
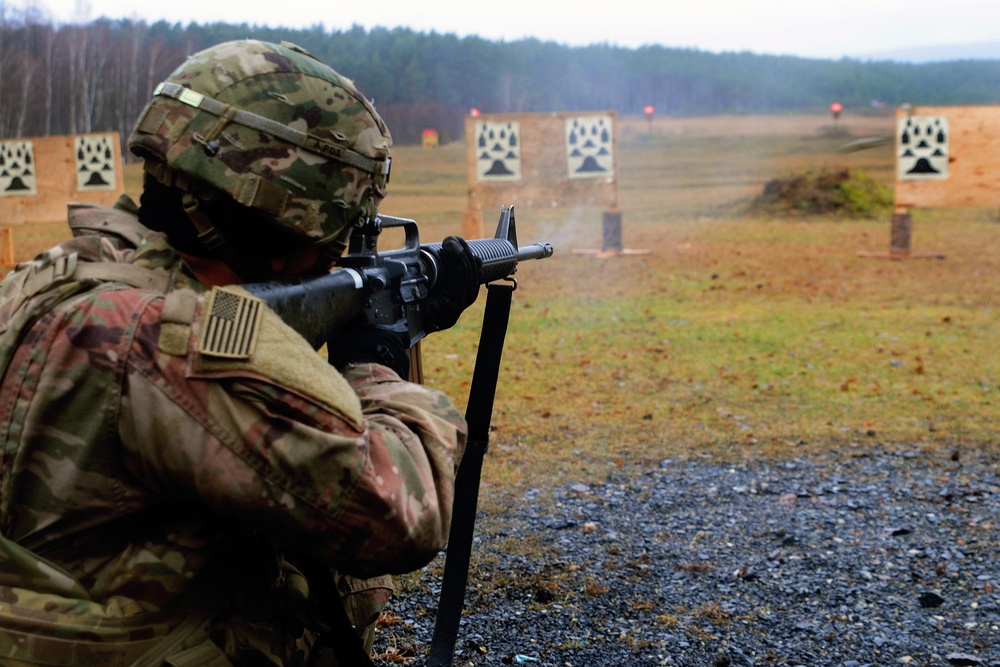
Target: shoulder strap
[119,220]
[134,276]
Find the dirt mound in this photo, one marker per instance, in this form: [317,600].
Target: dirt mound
[829,191]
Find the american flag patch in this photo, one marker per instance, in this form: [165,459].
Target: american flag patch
[233,323]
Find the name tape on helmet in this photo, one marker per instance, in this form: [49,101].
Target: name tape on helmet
[249,119]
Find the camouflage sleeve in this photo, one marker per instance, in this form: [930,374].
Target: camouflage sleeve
[356,472]
[411,414]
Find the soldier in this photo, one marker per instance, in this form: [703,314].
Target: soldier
[174,495]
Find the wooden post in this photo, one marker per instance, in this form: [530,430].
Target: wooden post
[612,240]
[900,234]
[472,224]
[6,248]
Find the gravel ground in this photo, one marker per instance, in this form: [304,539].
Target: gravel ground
[847,559]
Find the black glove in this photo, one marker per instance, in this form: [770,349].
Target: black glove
[457,285]
[367,343]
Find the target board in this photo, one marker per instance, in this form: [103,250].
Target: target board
[40,175]
[542,161]
[947,157]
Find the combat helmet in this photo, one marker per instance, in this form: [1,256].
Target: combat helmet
[275,129]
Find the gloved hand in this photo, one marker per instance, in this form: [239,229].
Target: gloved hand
[367,343]
[457,285]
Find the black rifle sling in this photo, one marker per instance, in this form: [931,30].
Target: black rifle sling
[478,414]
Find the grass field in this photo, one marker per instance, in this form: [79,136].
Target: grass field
[735,336]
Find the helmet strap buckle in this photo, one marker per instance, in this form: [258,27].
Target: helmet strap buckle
[208,235]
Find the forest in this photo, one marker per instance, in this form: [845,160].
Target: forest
[97,76]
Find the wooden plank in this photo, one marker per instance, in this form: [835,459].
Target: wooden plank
[973,160]
[59,179]
[7,260]
[544,179]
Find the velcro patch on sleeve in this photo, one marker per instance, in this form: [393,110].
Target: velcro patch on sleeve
[179,309]
[231,325]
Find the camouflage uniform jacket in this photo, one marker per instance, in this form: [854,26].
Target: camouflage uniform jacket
[147,476]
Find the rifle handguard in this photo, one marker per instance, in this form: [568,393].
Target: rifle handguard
[500,257]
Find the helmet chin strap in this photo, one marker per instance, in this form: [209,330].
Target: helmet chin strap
[208,235]
[213,241]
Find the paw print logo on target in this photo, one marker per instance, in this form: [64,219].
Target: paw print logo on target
[17,169]
[922,143]
[498,151]
[95,163]
[589,147]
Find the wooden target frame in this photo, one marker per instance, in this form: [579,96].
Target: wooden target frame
[946,157]
[547,160]
[39,176]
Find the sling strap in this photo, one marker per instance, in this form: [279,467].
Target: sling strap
[479,414]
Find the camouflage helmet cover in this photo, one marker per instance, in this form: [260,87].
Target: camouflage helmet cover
[273,128]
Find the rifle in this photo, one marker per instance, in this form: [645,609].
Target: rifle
[387,287]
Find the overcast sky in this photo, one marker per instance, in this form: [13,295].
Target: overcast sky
[809,28]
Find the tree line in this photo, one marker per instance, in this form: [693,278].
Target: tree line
[97,76]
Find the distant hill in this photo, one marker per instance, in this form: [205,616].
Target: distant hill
[940,53]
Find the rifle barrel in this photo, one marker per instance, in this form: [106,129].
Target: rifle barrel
[534,251]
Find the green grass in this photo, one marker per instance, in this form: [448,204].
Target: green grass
[736,337]
[638,359]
